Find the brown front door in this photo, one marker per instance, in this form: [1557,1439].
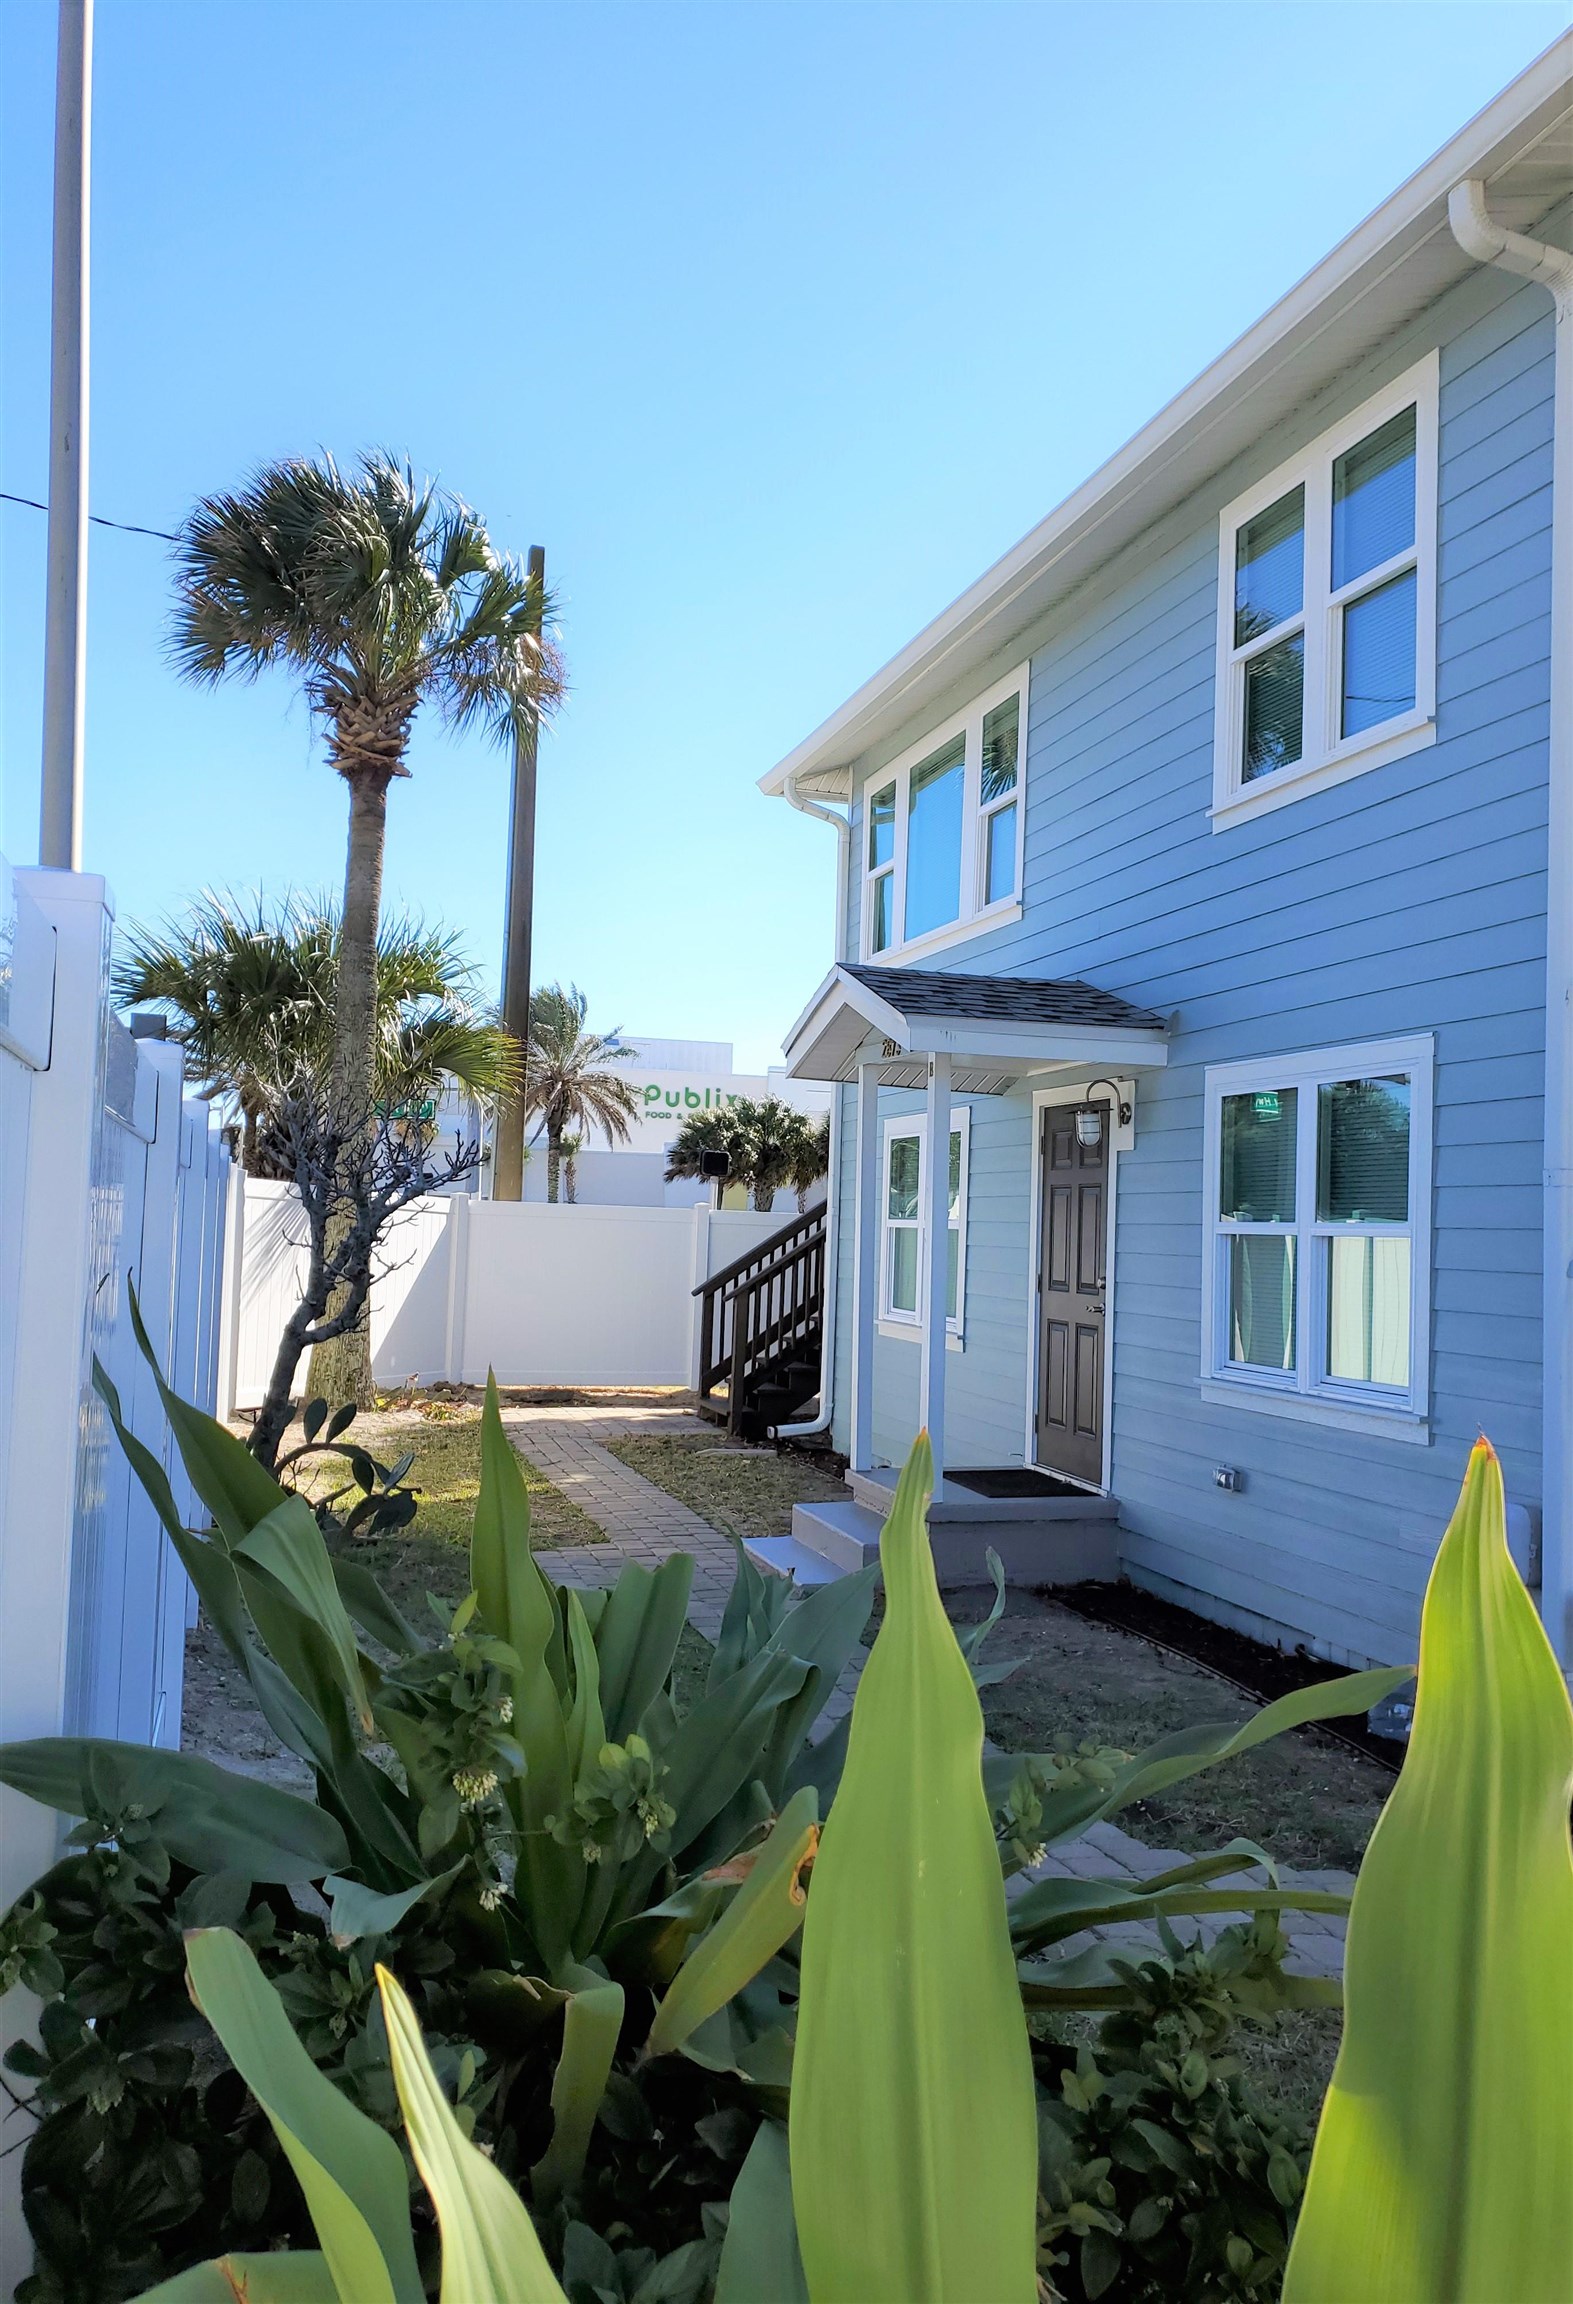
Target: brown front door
[1071,1297]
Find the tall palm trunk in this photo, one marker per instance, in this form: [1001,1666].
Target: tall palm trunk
[340,1371]
[554,1157]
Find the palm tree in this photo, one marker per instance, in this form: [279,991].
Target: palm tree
[249,992]
[768,1144]
[810,1155]
[569,1083]
[382,593]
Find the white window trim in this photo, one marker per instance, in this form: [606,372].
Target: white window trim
[909,1325]
[975,916]
[1347,1406]
[1326,758]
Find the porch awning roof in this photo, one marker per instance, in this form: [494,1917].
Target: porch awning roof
[995,1029]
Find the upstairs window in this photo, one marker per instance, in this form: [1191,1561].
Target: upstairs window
[1319,1181]
[943,830]
[1327,617]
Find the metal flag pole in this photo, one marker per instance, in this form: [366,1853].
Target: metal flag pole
[65,619]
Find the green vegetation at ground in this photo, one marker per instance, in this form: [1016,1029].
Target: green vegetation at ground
[1309,1801]
[743,1491]
[446,1477]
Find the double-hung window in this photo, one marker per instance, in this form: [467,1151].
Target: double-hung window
[904,1206]
[1318,1189]
[1327,607]
[942,830]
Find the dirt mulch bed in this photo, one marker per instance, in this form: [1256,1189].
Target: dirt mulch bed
[740,1489]
[1309,1801]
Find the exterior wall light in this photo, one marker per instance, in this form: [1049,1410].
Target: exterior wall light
[1089,1116]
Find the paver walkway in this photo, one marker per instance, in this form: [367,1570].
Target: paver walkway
[642,1522]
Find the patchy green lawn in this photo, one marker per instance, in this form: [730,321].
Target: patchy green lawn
[1307,1800]
[742,1490]
[446,1477]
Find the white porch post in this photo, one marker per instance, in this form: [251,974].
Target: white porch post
[934,1267]
[865,1266]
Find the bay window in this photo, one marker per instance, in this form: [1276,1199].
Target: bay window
[942,830]
[904,1215]
[1318,1186]
[1327,607]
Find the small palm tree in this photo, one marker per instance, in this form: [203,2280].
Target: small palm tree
[382,594]
[809,1150]
[768,1144]
[249,992]
[722,1129]
[569,1083]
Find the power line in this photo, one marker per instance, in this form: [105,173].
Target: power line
[127,527]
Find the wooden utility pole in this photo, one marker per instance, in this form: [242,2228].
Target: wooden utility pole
[65,612]
[508,1151]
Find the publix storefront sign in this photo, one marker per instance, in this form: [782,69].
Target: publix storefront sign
[666,1099]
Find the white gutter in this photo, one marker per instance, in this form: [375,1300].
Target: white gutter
[827,1342]
[1491,243]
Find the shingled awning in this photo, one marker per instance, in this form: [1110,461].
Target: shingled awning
[995,1029]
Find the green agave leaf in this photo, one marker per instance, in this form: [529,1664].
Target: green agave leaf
[207,1562]
[1443,2165]
[515,1598]
[649,1947]
[1055,1908]
[222,1470]
[372,1610]
[287,2276]
[764,1914]
[640,1624]
[518,1606]
[206,1816]
[357,1911]
[287,1545]
[913,2131]
[490,2252]
[586,1722]
[720,1744]
[1099,1978]
[760,2262]
[592,2020]
[351,2172]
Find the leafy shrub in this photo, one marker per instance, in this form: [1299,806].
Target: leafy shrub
[593,1899]
[1159,2183]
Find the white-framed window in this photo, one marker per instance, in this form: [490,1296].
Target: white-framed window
[942,829]
[1327,607]
[1317,1250]
[904,1216]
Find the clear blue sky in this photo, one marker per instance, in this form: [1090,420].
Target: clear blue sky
[775,324]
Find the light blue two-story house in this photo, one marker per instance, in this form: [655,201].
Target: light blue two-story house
[1207,894]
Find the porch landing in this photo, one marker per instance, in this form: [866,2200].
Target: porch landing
[1045,1539]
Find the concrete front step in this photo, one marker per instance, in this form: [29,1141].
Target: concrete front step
[788,1557]
[1040,1540]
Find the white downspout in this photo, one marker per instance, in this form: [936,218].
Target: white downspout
[827,1347]
[1491,243]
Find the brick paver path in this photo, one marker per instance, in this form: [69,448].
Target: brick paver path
[642,1522]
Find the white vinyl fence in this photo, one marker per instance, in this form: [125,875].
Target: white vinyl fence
[543,1295]
[107,1174]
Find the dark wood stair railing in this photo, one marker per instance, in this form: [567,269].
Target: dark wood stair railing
[761,1321]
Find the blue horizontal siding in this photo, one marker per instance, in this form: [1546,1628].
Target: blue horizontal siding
[1409,899]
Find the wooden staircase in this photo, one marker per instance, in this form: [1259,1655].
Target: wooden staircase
[761,1326]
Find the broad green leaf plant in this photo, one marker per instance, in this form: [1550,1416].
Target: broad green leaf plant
[1443,2165]
[351,2172]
